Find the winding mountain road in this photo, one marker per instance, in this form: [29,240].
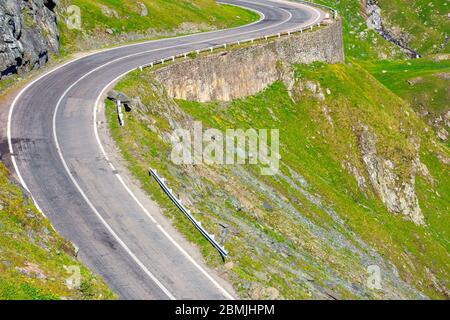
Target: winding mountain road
[58,156]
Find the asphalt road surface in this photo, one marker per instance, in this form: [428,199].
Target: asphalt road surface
[57,155]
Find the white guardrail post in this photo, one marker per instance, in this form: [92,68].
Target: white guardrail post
[188,214]
[252,40]
[153,172]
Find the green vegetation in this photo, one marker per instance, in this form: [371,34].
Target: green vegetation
[107,22]
[327,215]
[423,23]
[421,82]
[319,138]
[321,163]
[33,258]
[316,236]
[360,41]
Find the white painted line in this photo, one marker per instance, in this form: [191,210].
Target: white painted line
[9,136]
[226,294]
[99,216]
[202,270]
[118,239]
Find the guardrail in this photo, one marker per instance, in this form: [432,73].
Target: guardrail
[153,172]
[250,40]
[334,11]
[188,214]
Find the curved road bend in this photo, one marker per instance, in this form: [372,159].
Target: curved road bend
[57,156]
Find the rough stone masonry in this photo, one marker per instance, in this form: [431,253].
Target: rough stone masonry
[246,71]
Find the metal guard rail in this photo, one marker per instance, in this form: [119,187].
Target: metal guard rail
[188,214]
[153,172]
[251,40]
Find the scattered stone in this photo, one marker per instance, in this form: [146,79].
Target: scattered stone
[143,9]
[267,206]
[313,87]
[443,75]
[442,134]
[31,270]
[360,179]
[261,293]
[441,57]
[229,265]
[326,112]
[414,81]
[110,13]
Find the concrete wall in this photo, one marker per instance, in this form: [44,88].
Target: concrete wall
[246,71]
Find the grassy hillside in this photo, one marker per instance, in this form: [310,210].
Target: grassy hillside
[107,22]
[360,41]
[423,83]
[312,230]
[33,258]
[425,23]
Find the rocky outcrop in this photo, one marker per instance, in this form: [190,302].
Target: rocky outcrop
[247,71]
[392,34]
[28,34]
[236,199]
[398,194]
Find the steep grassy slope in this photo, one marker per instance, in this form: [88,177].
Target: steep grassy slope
[360,41]
[33,258]
[425,23]
[423,83]
[107,22]
[312,230]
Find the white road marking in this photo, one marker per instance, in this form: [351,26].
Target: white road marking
[107,226]
[203,271]
[103,221]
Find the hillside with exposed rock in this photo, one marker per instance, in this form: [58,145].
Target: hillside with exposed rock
[29,35]
[363,181]
[362,187]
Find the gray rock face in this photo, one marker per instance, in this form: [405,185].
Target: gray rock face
[28,34]
[375,21]
[246,71]
[398,196]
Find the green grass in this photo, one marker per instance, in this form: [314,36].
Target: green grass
[33,257]
[360,41]
[164,16]
[425,21]
[316,150]
[421,82]
[268,248]
[22,239]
